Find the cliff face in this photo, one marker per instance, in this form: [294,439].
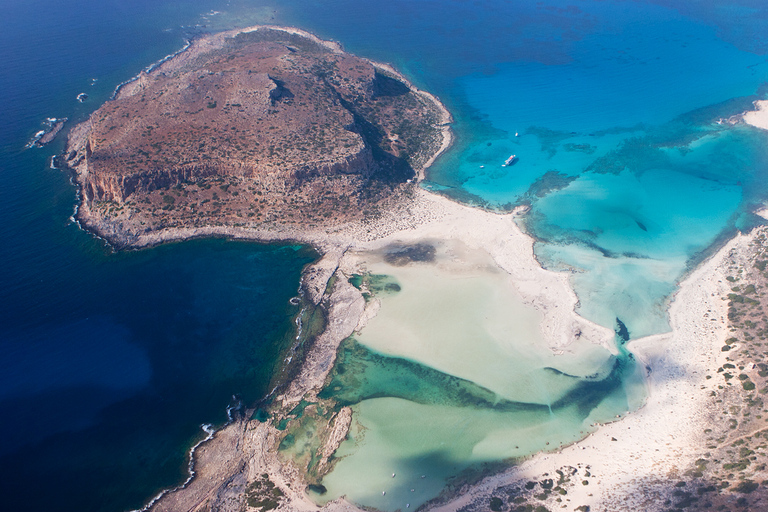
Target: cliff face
[258,114]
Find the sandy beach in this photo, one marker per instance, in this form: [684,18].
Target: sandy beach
[426,216]
[759,116]
[627,463]
[620,463]
[624,459]
[653,443]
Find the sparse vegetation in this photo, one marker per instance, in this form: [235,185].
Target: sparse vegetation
[262,494]
[345,156]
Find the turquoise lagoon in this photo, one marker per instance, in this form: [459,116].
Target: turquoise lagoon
[583,91]
[629,174]
[612,108]
[452,376]
[618,114]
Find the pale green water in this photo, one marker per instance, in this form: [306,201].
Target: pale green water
[453,373]
[465,318]
[595,88]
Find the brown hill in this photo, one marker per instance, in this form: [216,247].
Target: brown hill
[250,128]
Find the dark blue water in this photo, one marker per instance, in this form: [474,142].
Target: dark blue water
[110,362]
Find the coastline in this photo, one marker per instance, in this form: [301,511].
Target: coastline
[225,454]
[660,440]
[209,433]
[427,216]
[243,450]
[127,230]
[626,463]
[758,117]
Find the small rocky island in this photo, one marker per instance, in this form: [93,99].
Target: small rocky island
[256,131]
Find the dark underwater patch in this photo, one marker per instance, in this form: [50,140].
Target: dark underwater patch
[401,255]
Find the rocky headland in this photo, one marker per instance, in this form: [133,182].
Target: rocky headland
[261,129]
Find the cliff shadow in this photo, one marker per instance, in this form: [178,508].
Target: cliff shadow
[392,169]
[384,85]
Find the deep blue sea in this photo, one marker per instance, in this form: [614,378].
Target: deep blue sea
[111,362]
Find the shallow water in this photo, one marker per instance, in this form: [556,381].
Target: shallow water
[615,106]
[462,316]
[629,101]
[576,88]
[452,373]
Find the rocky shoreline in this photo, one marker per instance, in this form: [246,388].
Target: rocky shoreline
[425,217]
[236,455]
[47,135]
[615,461]
[652,449]
[239,468]
[260,130]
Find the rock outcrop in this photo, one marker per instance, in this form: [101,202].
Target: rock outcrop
[251,127]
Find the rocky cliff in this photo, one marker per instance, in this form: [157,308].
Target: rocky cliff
[250,127]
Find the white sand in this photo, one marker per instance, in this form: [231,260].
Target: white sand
[432,217]
[463,317]
[664,437]
[438,218]
[759,116]
[658,441]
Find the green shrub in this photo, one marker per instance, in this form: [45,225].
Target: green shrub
[746,486]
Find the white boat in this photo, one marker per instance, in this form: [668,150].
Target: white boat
[510,161]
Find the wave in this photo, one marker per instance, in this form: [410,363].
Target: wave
[235,406]
[76,210]
[73,218]
[51,125]
[210,432]
[299,331]
[151,68]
